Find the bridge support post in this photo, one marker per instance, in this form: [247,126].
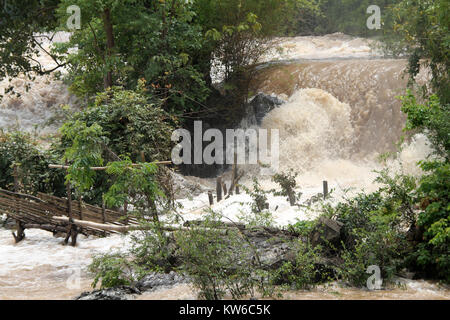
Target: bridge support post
[20,229]
[20,232]
[72,230]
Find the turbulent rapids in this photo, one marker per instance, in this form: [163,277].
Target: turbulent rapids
[340,114]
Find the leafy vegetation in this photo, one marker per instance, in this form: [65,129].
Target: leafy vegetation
[420,30]
[21,150]
[111,270]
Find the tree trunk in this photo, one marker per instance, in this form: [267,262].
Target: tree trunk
[107,80]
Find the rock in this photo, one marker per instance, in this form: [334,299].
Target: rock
[155,280]
[273,246]
[327,230]
[405,273]
[7,222]
[118,293]
[187,186]
[258,108]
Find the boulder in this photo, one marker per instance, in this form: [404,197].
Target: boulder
[259,107]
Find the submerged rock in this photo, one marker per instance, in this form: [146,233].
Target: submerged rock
[7,222]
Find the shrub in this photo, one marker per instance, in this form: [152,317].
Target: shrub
[20,149]
[287,183]
[153,250]
[431,118]
[433,255]
[302,273]
[375,229]
[303,228]
[219,264]
[259,197]
[121,125]
[111,270]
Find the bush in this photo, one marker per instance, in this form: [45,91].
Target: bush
[20,149]
[219,264]
[375,229]
[303,228]
[153,250]
[121,123]
[287,183]
[384,247]
[433,255]
[303,273]
[111,270]
[259,197]
[134,124]
[431,118]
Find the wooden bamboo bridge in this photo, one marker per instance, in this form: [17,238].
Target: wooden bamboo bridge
[59,215]
[73,217]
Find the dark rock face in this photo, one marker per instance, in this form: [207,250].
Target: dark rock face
[253,114]
[118,293]
[259,107]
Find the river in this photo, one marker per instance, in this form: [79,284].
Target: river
[340,115]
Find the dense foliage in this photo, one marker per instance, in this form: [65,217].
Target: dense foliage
[421,31]
[22,151]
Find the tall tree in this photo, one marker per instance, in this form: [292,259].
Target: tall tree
[23,25]
[421,31]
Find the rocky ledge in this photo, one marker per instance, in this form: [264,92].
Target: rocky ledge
[152,281]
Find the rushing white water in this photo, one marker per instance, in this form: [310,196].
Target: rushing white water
[318,139]
[406,290]
[41,267]
[331,46]
[38,99]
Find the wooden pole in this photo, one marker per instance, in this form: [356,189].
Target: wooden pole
[211,199]
[103,214]
[325,189]
[103,211]
[69,200]
[125,211]
[20,230]
[291,196]
[233,174]
[58,166]
[80,204]
[73,230]
[224,187]
[219,189]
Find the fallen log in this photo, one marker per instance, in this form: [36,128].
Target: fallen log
[59,166]
[125,229]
